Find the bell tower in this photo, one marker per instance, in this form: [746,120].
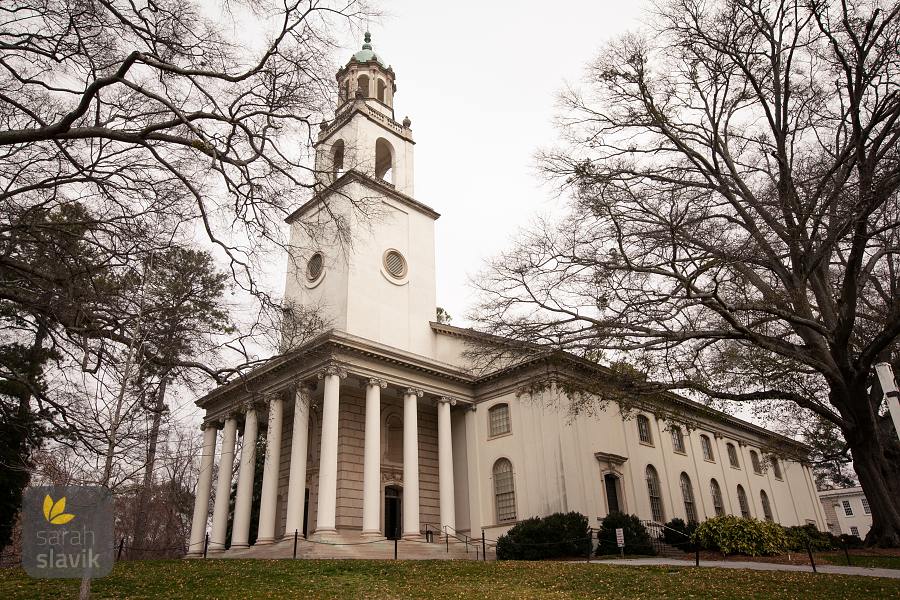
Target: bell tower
[378,283]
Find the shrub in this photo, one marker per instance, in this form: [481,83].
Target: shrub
[851,541]
[637,540]
[733,535]
[680,534]
[556,536]
[799,536]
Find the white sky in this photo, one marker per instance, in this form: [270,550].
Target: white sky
[479,82]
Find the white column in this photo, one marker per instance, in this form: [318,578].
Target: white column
[240,531]
[410,507]
[269,497]
[445,465]
[327,504]
[473,471]
[372,460]
[201,498]
[223,485]
[297,477]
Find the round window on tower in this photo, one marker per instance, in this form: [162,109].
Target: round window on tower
[314,267]
[395,264]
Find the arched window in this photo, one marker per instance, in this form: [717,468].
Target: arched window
[687,494]
[337,159]
[732,456]
[754,459]
[362,83]
[677,438]
[706,446]
[776,467]
[655,492]
[394,439]
[498,419]
[742,501]
[716,493]
[380,88]
[384,160]
[504,491]
[767,508]
[644,434]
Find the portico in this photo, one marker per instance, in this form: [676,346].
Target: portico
[331,454]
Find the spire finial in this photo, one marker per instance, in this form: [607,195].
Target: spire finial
[368,41]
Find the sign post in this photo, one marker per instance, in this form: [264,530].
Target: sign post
[620,541]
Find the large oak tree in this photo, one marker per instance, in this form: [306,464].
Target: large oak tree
[735,221]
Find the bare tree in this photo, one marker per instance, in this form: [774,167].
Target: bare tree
[157,123]
[735,227]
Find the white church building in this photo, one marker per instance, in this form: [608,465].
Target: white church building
[379,427]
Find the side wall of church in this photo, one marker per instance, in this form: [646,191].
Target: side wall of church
[555,468]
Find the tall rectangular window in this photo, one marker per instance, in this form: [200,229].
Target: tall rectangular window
[848,510]
[644,430]
[706,445]
[498,416]
[865,503]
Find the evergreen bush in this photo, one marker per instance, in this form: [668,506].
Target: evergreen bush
[637,540]
[680,534]
[560,535]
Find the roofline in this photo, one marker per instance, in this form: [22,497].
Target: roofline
[856,489]
[381,186]
[549,356]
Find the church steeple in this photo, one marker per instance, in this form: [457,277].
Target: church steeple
[382,286]
[364,135]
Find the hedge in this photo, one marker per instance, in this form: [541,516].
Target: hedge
[735,535]
[637,540]
[560,535]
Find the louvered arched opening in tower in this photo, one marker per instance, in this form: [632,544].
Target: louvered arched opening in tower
[337,159]
[362,86]
[384,160]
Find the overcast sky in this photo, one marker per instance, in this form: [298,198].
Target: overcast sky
[479,80]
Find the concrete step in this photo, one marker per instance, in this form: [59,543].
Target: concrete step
[355,546]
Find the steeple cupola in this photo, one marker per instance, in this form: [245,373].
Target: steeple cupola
[366,75]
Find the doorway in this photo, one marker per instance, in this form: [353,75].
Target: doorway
[392,512]
[612,492]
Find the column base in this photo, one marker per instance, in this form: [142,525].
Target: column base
[239,546]
[264,541]
[412,536]
[325,532]
[372,533]
[215,548]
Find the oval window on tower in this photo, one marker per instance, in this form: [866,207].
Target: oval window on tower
[314,266]
[395,264]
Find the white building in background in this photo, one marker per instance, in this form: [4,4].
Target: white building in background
[847,511]
[379,427]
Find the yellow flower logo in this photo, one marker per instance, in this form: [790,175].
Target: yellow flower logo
[54,512]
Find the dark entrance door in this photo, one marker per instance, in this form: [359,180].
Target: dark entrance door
[612,492]
[305,510]
[392,513]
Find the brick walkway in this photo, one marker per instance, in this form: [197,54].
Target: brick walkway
[758,566]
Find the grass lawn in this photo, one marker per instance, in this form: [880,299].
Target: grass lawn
[198,580]
[878,561]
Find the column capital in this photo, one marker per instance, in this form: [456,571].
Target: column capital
[214,423]
[377,382]
[414,392]
[254,404]
[332,369]
[302,386]
[445,400]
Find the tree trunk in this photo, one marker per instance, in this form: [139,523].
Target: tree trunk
[141,517]
[876,460]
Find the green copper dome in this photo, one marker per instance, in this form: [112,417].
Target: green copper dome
[367,54]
